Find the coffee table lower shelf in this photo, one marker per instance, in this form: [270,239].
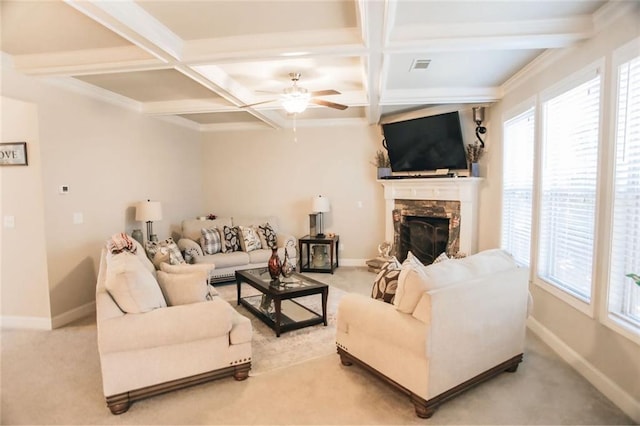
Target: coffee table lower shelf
[293,315]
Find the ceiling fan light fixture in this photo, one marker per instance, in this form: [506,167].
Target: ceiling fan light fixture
[295,100]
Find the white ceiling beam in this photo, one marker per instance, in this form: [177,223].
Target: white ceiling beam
[441,95]
[532,34]
[374,18]
[341,42]
[90,61]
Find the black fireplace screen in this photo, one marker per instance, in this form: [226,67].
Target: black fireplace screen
[425,237]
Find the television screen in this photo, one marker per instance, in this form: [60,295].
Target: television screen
[426,144]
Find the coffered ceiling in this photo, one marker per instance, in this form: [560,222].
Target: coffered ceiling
[202,61]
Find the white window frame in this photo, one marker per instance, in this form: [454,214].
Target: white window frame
[621,55]
[507,116]
[585,74]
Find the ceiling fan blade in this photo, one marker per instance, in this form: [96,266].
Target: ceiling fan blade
[257,103]
[322,102]
[325,92]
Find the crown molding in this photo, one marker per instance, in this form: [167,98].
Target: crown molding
[612,11]
[442,95]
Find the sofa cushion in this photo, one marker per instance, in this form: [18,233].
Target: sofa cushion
[131,285]
[191,227]
[168,245]
[252,220]
[210,240]
[225,260]
[416,278]
[231,239]
[441,257]
[249,239]
[183,289]
[268,237]
[386,282]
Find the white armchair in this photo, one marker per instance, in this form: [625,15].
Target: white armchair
[452,325]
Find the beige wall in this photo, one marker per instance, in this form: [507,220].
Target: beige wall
[612,359]
[265,172]
[111,157]
[24,284]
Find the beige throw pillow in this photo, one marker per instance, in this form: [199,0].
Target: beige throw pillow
[183,289]
[131,285]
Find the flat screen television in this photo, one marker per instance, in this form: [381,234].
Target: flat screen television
[426,144]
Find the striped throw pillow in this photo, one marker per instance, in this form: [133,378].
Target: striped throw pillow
[210,240]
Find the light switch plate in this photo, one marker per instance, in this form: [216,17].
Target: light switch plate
[9,221]
[78,218]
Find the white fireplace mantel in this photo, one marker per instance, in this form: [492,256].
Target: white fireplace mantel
[462,189]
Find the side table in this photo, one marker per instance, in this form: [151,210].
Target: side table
[318,254]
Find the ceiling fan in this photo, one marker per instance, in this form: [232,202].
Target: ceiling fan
[295,99]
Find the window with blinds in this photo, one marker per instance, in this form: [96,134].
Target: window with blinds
[624,294]
[568,188]
[517,185]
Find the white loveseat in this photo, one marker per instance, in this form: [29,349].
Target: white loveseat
[163,348]
[452,325]
[227,263]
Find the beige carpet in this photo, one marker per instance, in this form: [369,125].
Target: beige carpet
[53,377]
[292,347]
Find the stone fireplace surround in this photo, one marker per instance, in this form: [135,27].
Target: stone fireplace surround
[436,195]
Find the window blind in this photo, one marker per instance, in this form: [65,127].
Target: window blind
[568,188]
[624,294]
[517,188]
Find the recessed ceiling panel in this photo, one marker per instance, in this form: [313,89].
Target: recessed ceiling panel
[444,12]
[222,118]
[30,27]
[192,20]
[151,86]
[489,68]
[318,73]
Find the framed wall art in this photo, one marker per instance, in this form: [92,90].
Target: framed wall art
[13,154]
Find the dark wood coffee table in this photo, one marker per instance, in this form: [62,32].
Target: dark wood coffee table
[275,305]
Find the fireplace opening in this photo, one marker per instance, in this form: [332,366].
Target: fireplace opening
[425,237]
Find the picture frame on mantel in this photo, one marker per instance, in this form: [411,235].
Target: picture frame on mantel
[13,154]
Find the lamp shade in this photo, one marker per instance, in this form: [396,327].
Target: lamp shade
[149,211]
[320,204]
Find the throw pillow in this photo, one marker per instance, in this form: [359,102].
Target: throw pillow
[186,268]
[250,240]
[268,237]
[441,258]
[231,239]
[175,256]
[386,282]
[182,289]
[411,284]
[210,241]
[131,285]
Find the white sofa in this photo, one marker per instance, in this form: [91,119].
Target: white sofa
[227,263]
[164,348]
[452,325]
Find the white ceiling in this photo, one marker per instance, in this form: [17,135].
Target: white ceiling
[202,60]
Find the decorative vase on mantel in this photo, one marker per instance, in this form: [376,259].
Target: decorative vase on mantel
[474,170]
[274,265]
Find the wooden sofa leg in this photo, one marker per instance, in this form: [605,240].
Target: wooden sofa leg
[345,360]
[119,404]
[242,372]
[422,409]
[512,369]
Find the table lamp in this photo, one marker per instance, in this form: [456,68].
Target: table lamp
[149,211]
[320,205]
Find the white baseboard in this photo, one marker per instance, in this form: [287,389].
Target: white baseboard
[74,314]
[42,323]
[604,384]
[32,323]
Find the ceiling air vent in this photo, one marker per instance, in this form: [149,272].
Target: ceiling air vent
[420,64]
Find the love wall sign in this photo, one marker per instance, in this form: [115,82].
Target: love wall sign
[13,154]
